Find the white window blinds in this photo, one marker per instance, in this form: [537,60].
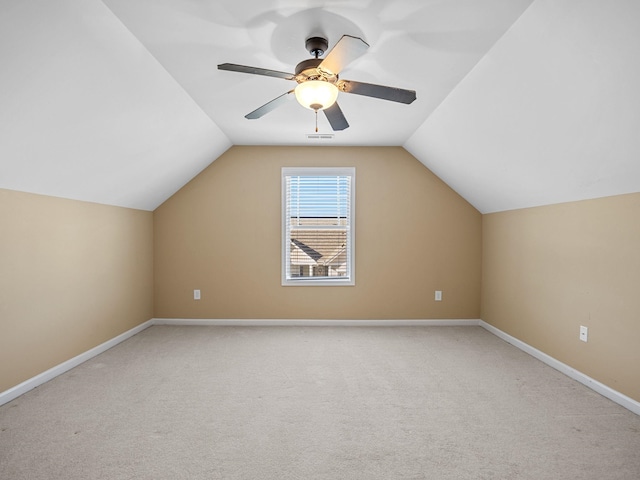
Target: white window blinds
[318,226]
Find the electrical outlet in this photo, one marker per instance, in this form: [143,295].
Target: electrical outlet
[438,295]
[584,333]
[196,294]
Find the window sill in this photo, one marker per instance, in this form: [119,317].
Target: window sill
[307,282]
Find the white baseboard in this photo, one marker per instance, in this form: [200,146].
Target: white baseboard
[601,388]
[47,375]
[316,323]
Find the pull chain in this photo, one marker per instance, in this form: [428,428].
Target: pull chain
[316,121]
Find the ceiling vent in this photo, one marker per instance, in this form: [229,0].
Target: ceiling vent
[320,136]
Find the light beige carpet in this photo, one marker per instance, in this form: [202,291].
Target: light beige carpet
[316,403]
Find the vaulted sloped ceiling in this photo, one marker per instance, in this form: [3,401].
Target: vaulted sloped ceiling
[551,114]
[520,102]
[87,113]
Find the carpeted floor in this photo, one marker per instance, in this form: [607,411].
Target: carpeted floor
[316,403]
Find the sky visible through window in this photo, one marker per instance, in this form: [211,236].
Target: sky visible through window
[324,196]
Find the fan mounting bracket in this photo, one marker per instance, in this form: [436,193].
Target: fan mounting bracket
[316,46]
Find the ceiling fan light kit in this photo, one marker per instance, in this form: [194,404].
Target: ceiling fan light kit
[318,82]
[316,94]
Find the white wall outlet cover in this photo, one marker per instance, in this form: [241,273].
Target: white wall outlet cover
[584,333]
[438,295]
[196,294]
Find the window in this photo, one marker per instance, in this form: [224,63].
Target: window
[317,221]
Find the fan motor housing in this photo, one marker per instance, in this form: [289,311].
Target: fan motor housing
[310,64]
[310,70]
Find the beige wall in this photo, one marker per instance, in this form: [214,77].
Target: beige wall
[72,275]
[75,274]
[221,234]
[548,270]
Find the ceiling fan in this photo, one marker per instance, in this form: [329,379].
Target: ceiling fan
[318,81]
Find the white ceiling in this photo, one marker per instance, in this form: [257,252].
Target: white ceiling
[551,114]
[520,102]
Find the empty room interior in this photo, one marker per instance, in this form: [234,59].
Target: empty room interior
[470,307]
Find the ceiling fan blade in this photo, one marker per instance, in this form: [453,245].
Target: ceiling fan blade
[269,106]
[378,91]
[336,117]
[344,52]
[232,67]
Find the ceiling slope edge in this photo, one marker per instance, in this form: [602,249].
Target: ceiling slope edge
[549,114]
[88,114]
[414,145]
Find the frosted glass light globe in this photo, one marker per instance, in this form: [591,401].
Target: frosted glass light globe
[316,94]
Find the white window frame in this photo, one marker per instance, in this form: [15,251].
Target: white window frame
[347,280]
